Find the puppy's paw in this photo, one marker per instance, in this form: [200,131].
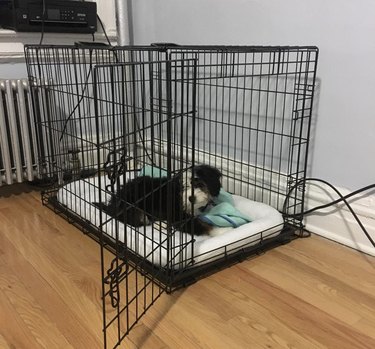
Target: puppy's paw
[160,225]
[144,220]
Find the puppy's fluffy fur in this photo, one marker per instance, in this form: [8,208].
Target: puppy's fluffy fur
[145,200]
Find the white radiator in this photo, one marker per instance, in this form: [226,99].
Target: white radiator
[18,146]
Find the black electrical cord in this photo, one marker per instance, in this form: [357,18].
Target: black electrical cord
[85,89]
[85,84]
[342,198]
[104,31]
[43,18]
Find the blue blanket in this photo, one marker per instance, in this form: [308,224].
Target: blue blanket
[153,171]
[223,213]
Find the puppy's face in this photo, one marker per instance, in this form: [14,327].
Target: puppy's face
[200,185]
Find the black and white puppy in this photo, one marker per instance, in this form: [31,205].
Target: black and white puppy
[146,200]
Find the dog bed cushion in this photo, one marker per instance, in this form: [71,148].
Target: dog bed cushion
[266,222]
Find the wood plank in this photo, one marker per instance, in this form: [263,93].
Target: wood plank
[13,329]
[326,291]
[28,309]
[58,308]
[3,343]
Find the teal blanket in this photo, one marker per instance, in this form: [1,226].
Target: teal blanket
[221,214]
[153,171]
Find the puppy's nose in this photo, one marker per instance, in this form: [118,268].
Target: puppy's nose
[192,199]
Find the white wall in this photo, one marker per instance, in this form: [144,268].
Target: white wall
[343,147]
[13,71]
[342,29]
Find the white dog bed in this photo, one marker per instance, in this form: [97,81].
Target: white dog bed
[152,243]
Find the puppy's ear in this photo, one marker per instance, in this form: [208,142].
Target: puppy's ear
[211,176]
[207,171]
[216,172]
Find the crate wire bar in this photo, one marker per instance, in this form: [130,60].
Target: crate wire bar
[106,113]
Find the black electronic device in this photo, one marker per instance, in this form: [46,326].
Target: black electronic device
[48,15]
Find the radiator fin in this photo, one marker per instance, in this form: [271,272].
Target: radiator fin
[18,147]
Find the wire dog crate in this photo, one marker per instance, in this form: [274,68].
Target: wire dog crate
[109,116]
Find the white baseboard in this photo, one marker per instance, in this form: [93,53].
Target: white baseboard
[337,223]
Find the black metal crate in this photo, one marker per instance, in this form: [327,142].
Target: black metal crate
[105,114]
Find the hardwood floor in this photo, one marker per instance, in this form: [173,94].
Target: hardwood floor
[311,293]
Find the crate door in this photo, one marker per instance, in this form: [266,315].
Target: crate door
[144,117]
